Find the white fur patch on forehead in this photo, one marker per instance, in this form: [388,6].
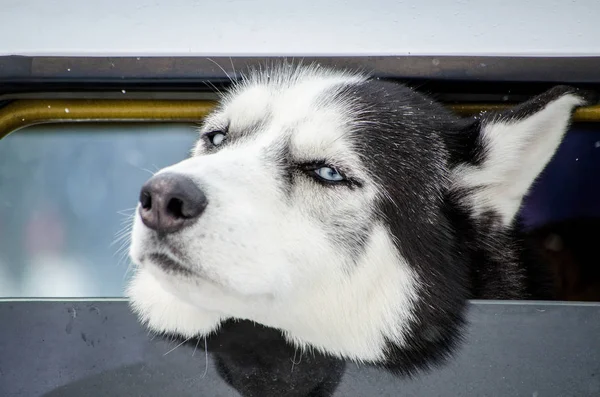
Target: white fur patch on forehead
[296,102]
[320,135]
[286,75]
[287,91]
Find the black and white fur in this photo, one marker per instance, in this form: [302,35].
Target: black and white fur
[376,267]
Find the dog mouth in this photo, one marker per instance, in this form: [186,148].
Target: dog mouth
[168,264]
[173,266]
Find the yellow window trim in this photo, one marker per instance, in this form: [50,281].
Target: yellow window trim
[26,112]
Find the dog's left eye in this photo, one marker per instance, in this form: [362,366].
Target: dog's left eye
[329,174]
[216,137]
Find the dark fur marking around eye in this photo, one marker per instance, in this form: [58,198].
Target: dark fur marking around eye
[211,133]
[211,136]
[279,154]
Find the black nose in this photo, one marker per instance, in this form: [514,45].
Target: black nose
[169,202]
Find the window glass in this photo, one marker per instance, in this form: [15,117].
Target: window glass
[67,192]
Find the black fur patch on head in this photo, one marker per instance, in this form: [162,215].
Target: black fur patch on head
[412,144]
[398,135]
[464,143]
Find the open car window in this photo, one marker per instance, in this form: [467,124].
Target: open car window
[97,97]
[69,192]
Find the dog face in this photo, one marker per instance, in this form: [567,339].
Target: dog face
[328,205]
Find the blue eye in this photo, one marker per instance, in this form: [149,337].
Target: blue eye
[329,174]
[216,138]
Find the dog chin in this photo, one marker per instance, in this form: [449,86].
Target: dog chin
[163,312]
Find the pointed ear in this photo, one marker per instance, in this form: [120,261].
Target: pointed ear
[512,148]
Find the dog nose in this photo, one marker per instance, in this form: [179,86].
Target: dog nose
[169,202]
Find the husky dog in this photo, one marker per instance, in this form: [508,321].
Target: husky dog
[353,214]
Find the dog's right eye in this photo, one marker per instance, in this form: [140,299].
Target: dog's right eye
[329,174]
[216,137]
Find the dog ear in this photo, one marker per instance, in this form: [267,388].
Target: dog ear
[510,148]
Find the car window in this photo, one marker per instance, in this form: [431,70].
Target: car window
[67,192]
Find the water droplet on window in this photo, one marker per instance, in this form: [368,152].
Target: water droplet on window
[435,61]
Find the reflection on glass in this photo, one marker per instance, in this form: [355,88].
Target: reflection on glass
[66,195]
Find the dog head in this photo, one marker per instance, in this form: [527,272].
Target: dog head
[329,205]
